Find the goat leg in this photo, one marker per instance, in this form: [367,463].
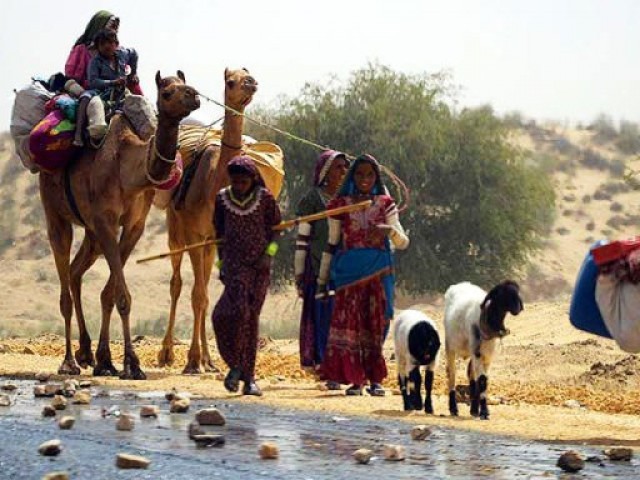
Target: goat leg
[482,393]
[428,385]
[415,386]
[402,382]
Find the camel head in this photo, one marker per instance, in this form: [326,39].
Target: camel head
[176,99]
[239,88]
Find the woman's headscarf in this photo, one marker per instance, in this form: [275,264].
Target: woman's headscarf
[97,23]
[349,188]
[323,165]
[244,164]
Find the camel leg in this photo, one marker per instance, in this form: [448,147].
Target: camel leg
[104,365]
[60,237]
[207,363]
[199,305]
[107,232]
[84,259]
[166,355]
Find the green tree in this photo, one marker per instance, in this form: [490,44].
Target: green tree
[476,210]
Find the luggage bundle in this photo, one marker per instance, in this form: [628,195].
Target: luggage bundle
[606,297]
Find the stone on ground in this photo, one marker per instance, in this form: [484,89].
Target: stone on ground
[59,402]
[125,423]
[9,387]
[5,401]
[571,461]
[420,432]
[82,397]
[84,384]
[48,411]
[43,376]
[66,422]
[147,411]
[210,416]
[39,391]
[194,429]
[619,453]
[269,451]
[56,476]
[362,455]
[125,460]
[171,394]
[180,405]
[394,453]
[209,440]
[50,448]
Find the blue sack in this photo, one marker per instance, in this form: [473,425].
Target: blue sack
[584,313]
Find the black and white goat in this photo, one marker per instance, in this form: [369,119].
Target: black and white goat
[416,343]
[473,321]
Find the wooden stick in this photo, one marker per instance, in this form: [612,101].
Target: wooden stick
[281,226]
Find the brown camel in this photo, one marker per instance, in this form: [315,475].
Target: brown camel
[193,222]
[112,189]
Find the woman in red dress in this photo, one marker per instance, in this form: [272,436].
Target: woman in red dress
[359,261]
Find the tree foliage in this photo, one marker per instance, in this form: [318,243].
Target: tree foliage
[476,209]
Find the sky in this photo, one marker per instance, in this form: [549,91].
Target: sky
[563,60]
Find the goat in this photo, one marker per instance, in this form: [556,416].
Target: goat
[473,321]
[416,343]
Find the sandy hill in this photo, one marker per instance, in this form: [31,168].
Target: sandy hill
[593,201]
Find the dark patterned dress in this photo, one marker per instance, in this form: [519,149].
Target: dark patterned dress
[246,232]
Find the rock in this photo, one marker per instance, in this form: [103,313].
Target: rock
[59,402]
[124,460]
[43,376]
[48,411]
[210,416]
[171,394]
[66,423]
[571,461]
[492,400]
[208,440]
[52,389]
[9,387]
[5,401]
[71,384]
[572,404]
[28,351]
[420,432]
[84,384]
[194,429]
[269,451]
[39,391]
[125,423]
[180,405]
[147,411]
[56,476]
[394,453]
[50,448]
[593,459]
[619,454]
[362,455]
[82,398]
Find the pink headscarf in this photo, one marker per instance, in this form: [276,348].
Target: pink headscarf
[323,164]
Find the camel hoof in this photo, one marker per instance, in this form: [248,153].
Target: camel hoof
[132,374]
[210,367]
[166,357]
[191,370]
[105,370]
[85,358]
[68,367]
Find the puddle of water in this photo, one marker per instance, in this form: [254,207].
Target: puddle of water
[312,446]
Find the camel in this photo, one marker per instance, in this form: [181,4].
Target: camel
[112,189]
[194,223]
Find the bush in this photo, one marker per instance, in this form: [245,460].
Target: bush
[616,207]
[628,140]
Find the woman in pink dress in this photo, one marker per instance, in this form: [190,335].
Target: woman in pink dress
[359,262]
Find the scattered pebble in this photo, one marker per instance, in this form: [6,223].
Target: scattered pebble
[269,451]
[5,401]
[210,416]
[43,377]
[84,384]
[179,405]
[147,411]
[66,423]
[171,394]
[571,461]
[56,476]
[572,404]
[125,460]
[125,423]
[209,440]
[82,397]
[362,455]
[59,402]
[52,389]
[50,448]
[48,411]
[338,419]
[396,391]
[194,430]
[394,453]
[420,432]
[619,454]
[39,391]
[9,387]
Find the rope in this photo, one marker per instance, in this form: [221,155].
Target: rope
[405,193]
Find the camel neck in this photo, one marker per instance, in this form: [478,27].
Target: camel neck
[166,146]
[231,136]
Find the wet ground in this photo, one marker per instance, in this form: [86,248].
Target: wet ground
[312,446]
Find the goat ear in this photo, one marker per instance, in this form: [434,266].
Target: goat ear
[158,79]
[226,73]
[485,304]
[181,76]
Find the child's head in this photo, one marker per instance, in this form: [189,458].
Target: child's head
[106,42]
[244,175]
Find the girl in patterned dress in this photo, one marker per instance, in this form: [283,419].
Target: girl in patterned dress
[359,261]
[245,213]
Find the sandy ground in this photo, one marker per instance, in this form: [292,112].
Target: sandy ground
[540,366]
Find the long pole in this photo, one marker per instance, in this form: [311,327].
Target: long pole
[281,226]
